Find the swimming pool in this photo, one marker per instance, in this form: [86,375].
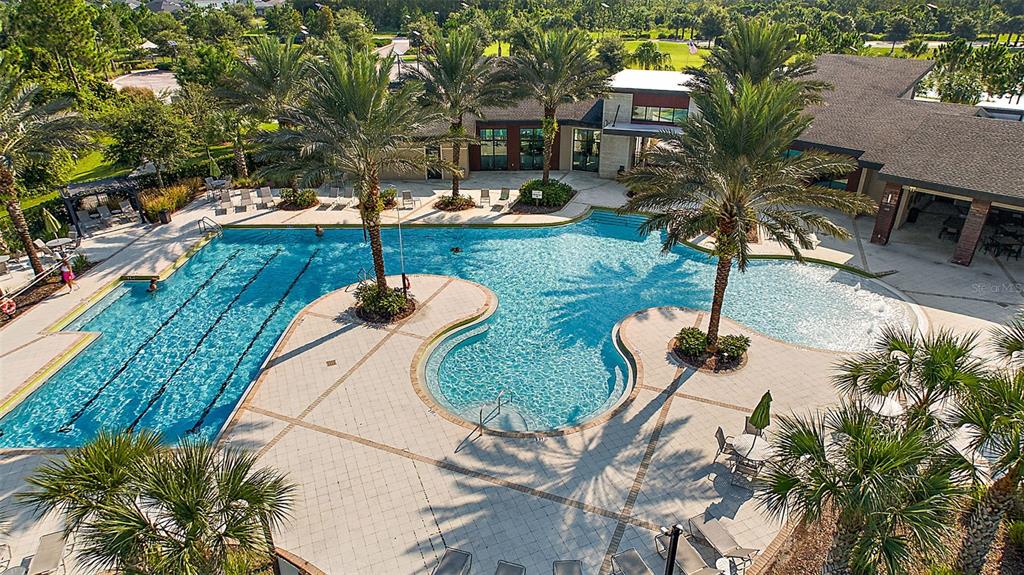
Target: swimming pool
[177,361]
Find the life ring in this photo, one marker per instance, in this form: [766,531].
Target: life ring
[8,306]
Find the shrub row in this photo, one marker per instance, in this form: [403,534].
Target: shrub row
[692,342]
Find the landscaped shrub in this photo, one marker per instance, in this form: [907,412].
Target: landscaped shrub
[170,198]
[380,305]
[1016,534]
[297,199]
[733,346]
[555,194]
[454,204]
[691,342]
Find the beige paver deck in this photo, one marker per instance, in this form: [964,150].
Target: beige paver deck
[387,482]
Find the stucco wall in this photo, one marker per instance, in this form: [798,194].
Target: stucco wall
[615,151]
[421,174]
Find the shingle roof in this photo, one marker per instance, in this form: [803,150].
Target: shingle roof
[531,111]
[946,147]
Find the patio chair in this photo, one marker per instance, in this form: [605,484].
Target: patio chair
[688,560]
[16,570]
[724,444]
[44,249]
[453,562]
[720,540]
[505,197]
[225,200]
[567,567]
[629,562]
[246,201]
[347,195]
[485,196]
[744,472]
[506,568]
[5,556]
[105,216]
[128,213]
[408,201]
[266,197]
[336,198]
[4,270]
[85,220]
[49,557]
[73,236]
[327,197]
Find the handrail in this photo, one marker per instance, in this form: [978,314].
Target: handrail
[46,273]
[206,225]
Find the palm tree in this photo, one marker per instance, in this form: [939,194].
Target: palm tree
[555,67]
[353,124]
[728,174]
[915,48]
[993,417]
[759,50]
[31,129]
[140,507]
[924,371]
[262,86]
[458,80]
[648,57]
[890,488]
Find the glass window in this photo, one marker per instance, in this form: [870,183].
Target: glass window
[531,148]
[586,149]
[679,115]
[493,149]
[659,114]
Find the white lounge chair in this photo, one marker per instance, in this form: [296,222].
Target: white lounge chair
[49,557]
[629,562]
[506,197]
[44,249]
[246,201]
[408,201]
[453,562]
[688,561]
[225,201]
[266,197]
[485,196]
[567,567]
[347,195]
[712,531]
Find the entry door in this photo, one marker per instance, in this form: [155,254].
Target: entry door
[433,153]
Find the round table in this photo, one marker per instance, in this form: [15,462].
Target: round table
[59,243]
[885,406]
[752,447]
[4,259]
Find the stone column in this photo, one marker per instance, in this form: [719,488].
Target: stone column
[886,218]
[971,232]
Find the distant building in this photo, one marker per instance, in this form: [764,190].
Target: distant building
[170,6]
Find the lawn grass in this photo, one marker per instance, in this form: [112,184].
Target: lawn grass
[93,166]
[678,52]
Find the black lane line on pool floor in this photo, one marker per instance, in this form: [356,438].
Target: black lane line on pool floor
[266,321]
[78,414]
[163,386]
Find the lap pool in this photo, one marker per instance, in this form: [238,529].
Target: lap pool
[177,361]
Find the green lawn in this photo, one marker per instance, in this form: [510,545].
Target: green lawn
[93,166]
[679,52]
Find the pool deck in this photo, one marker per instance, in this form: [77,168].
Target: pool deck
[337,410]
[382,462]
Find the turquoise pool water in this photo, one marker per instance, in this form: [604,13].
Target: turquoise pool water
[177,361]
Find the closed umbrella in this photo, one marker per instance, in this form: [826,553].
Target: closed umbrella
[763,412]
[214,168]
[50,223]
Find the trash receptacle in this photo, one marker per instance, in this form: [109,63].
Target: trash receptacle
[165,216]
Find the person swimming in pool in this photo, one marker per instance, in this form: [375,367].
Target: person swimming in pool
[152,285]
[319,231]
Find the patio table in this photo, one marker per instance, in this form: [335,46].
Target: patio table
[4,259]
[59,243]
[752,447]
[49,555]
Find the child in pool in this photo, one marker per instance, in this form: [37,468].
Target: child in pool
[152,285]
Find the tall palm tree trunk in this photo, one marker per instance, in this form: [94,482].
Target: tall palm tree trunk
[241,168]
[371,219]
[456,156]
[721,282]
[10,197]
[837,562]
[984,522]
[550,129]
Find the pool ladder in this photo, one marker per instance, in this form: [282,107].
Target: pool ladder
[208,226]
[479,429]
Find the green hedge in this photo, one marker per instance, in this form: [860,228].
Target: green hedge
[555,194]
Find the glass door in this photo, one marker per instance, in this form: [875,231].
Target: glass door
[531,148]
[586,149]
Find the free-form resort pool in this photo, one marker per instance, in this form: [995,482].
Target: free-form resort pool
[177,361]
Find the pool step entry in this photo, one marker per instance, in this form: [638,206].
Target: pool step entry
[611,218]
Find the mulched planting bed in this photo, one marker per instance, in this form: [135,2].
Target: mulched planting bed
[700,363]
[38,293]
[410,307]
[448,204]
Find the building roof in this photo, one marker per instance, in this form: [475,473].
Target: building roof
[581,112]
[164,6]
[946,147]
[649,81]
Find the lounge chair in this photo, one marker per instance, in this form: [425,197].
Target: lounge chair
[506,197]
[688,560]
[485,196]
[266,197]
[506,568]
[712,531]
[85,220]
[127,211]
[328,197]
[5,556]
[225,200]
[629,562]
[453,562]
[44,249]
[49,555]
[567,567]
[4,271]
[408,201]
[246,201]
[724,444]
[347,195]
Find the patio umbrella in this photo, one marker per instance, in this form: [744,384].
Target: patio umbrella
[214,167]
[763,412]
[50,223]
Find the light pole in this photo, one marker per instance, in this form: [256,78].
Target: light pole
[673,544]
[401,255]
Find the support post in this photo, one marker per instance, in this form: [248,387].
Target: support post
[971,232]
[886,218]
